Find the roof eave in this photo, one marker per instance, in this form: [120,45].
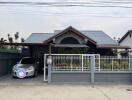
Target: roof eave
[23,44]
[113,47]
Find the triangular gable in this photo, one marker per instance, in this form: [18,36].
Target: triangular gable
[67,30]
[129,32]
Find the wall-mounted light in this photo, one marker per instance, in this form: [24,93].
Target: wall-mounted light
[49,60]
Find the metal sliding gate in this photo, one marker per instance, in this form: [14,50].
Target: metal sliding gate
[71,63]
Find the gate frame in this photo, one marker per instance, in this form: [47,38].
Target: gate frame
[92,71]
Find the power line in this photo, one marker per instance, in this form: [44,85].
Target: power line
[90,2]
[69,14]
[70,4]
[97,6]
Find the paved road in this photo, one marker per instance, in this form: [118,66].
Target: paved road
[65,92]
[36,89]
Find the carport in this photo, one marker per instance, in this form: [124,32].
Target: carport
[5,72]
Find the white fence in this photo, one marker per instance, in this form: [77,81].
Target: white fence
[115,64]
[82,62]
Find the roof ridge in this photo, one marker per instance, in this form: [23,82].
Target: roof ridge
[84,30]
[42,33]
[91,30]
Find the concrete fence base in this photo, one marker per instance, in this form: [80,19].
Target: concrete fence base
[85,77]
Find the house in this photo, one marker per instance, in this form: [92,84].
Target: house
[72,41]
[72,55]
[126,40]
[74,52]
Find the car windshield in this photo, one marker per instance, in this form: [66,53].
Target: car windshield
[28,61]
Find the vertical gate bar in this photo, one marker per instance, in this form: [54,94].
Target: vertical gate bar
[53,63]
[112,63]
[99,62]
[129,63]
[82,62]
[71,62]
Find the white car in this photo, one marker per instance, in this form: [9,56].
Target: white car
[26,67]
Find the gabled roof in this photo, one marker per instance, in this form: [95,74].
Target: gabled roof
[73,30]
[129,32]
[99,36]
[95,36]
[38,37]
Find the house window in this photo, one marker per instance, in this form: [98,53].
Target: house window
[69,40]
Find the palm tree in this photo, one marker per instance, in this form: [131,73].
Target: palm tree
[8,35]
[10,39]
[16,35]
[2,40]
[22,40]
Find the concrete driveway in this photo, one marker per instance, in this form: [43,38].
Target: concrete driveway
[8,80]
[65,92]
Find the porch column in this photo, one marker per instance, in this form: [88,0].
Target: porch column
[50,49]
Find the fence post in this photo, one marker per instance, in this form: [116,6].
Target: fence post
[49,62]
[92,68]
[44,67]
[99,62]
[112,64]
[49,73]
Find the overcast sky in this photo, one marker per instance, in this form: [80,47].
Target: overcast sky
[114,21]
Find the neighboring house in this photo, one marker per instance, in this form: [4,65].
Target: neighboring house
[71,40]
[127,40]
